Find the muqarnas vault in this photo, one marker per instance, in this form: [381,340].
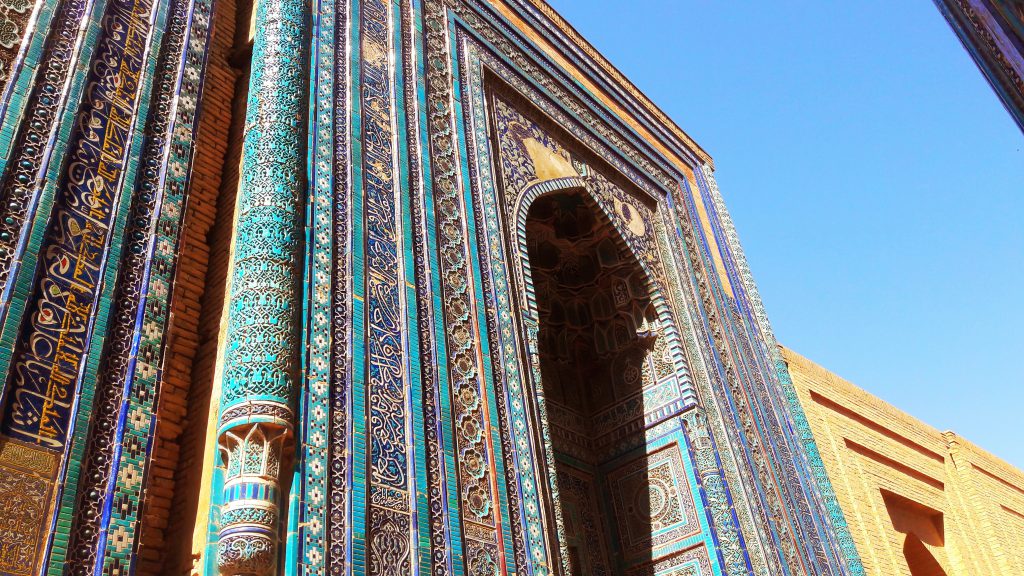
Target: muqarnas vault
[417,287]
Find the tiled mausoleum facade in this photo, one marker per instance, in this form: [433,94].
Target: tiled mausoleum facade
[364,287]
[992,31]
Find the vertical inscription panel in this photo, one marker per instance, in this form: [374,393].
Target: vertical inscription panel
[388,515]
[55,332]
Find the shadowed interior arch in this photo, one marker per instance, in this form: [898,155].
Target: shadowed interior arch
[598,341]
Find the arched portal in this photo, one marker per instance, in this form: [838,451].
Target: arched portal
[598,345]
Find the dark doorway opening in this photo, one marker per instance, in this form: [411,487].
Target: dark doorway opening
[597,338]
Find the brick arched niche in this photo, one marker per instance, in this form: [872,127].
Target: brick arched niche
[599,349]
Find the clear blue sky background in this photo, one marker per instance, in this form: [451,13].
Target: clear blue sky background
[875,180]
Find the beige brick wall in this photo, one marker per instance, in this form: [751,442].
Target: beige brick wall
[903,484]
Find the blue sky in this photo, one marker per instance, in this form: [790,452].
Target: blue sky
[875,180]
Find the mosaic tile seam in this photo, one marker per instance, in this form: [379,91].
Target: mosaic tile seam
[738,554]
[147,282]
[760,445]
[723,476]
[94,433]
[472,400]
[390,530]
[520,467]
[420,373]
[794,412]
[408,178]
[728,393]
[809,522]
[356,374]
[469,399]
[477,263]
[441,519]
[422,399]
[768,410]
[339,521]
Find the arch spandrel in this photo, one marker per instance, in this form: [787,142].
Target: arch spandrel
[534,163]
[535,166]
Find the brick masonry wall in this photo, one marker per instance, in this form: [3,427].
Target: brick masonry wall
[173,493]
[898,479]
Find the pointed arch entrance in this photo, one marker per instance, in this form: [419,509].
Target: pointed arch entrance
[618,493]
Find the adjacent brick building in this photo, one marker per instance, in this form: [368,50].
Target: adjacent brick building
[919,501]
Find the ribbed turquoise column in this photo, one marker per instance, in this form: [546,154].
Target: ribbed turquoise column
[261,364]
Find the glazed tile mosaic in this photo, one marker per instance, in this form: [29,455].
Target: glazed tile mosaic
[324,287]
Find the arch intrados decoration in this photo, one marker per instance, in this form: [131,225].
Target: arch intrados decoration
[569,185]
[531,312]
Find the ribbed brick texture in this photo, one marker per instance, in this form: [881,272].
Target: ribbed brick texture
[913,495]
[183,408]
